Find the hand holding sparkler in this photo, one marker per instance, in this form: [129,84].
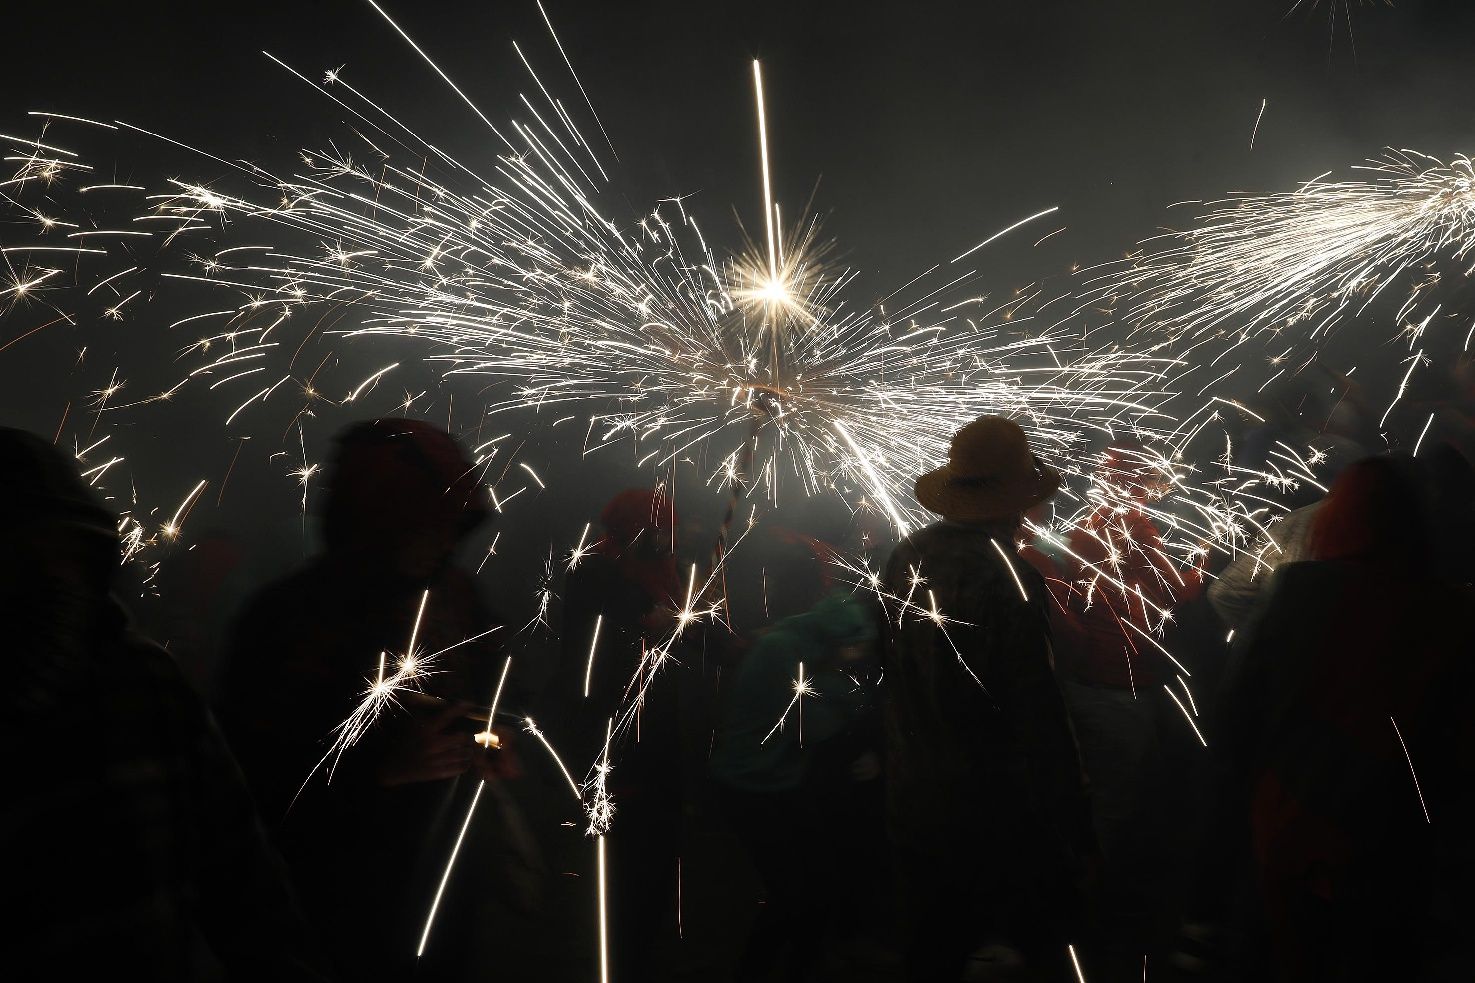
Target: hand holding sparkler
[499,761]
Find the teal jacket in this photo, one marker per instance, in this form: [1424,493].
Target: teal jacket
[753,751]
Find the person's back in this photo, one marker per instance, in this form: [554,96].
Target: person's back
[986,804]
[973,711]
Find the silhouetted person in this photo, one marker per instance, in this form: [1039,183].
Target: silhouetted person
[1353,681]
[133,848]
[1113,677]
[768,737]
[629,586]
[1452,511]
[987,808]
[366,848]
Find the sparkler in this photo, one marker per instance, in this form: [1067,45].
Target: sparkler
[525,282]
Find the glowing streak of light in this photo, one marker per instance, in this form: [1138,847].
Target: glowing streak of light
[1188,693]
[801,686]
[1186,715]
[415,628]
[1158,645]
[1024,594]
[370,381]
[879,486]
[533,473]
[532,728]
[1255,132]
[491,552]
[603,911]
[172,528]
[421,52]
[450,865]
[1003,232]
[575,75]
[579,551]
[486,738]
[593,644]
[1422,434]
[1413,363]
[1074,961]
[767,185]
[1407,757]
[74,119]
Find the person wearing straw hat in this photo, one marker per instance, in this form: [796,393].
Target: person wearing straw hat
[986,803]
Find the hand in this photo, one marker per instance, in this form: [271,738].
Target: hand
[430,750]
[498,758]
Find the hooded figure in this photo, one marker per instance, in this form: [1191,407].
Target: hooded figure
[135,848]
[986,804]
[364,846]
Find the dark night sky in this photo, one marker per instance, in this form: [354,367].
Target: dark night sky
[927,125]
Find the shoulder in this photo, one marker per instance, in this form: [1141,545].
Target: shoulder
[918,544]
[142,683]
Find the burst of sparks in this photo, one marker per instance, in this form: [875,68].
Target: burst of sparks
[1308,259]
[527,277]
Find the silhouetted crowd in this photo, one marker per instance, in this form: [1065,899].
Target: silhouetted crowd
[998,754]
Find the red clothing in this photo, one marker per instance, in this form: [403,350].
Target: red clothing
[633,514]
[1124,584]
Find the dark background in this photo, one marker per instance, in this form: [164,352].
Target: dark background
[926,125]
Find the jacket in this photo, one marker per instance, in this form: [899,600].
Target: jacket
[976,728]
[1240,584]
[766,725]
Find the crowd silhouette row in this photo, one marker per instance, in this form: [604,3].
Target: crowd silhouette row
[1006,758]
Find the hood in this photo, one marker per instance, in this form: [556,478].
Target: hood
[632,512]
[394,478]
[43,495]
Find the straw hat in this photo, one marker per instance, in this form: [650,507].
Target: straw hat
[990,474]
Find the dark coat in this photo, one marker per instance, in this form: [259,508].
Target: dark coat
[1347,665]
[362,855]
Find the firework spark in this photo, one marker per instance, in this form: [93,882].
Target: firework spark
[1301,263]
